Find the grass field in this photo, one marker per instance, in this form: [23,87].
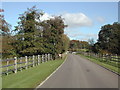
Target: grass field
[95,60]
[32,77]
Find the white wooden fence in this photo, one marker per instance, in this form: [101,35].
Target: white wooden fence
[18,64]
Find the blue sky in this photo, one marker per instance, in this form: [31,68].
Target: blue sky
[86,23]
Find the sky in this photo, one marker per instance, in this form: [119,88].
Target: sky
[84,19]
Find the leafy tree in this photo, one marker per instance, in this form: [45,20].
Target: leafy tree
[65,43]
[95,48]
[76,45]
[73,45]
[109,38]
[53,35]
[29,39]
[5,37]
[7,48]
[83,45]
[4,25]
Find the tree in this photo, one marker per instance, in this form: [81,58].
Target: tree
[109,38]
[76,45]
[4,25]
[65,43]
[28,39]
[73,45]
[53,33]
[83,45]
[5,37]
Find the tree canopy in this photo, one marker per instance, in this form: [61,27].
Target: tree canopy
[39,37]
[76,45]
[5,37]
[109,39]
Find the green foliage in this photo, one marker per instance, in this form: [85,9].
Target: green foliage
[53,34]
[7,48]
[109,39]
[39,37]
[65,43]
[6,38]
[28,39]
[4,25]
[76,45]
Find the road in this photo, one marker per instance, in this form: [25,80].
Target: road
[77,72]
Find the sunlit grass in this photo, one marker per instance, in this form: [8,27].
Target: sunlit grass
[31,77]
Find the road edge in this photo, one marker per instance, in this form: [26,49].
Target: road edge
[51,74]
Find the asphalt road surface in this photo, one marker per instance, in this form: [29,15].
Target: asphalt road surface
[78,72]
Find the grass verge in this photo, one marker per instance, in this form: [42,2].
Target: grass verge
[32,77]
[107,66]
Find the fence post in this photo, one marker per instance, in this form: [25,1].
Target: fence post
[21,63]
[15,63]
[26,62]
[107,57]
[110,58]
[116,59]
[45,58]
[38,59]
[42,58]
[51,57]
[48,57]
[7,66]
[33,60]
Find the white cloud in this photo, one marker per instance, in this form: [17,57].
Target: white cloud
[77,20]
[46,16]
[72,19]
[100,19]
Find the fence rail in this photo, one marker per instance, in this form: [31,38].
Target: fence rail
[18,64]
[110,59]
